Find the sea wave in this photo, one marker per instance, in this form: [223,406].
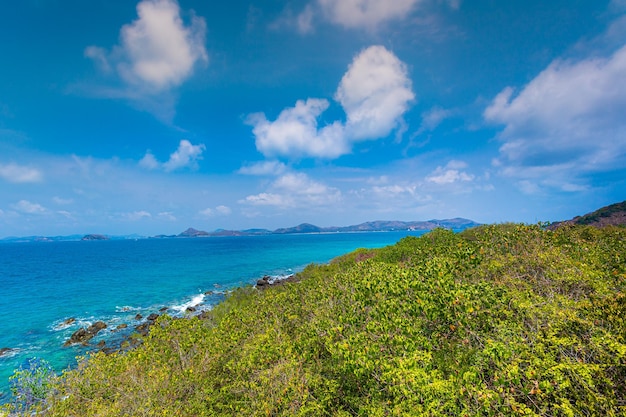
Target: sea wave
[196,301]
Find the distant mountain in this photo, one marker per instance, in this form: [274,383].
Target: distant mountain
[95,237]
[613,215]
[303,228]
[191,232]
[374,226]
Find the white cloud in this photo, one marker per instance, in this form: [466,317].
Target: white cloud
[375,93]
[295,132]
[167,215]
[157,51]
[568,120]
[137,215]
[450,174]
[62,201]
[295,190]
[27,207]
[19,173]
[263,168]
[223,210]
[365,13]
[433,118]
[304,21]
[185,156]
[219,210]
[149,161]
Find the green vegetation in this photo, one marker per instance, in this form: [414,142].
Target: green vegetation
[497,320]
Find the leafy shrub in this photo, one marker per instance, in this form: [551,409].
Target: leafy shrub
[30,386]
[499,320]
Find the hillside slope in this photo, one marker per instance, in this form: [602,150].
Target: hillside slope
[613,215]
[496,320]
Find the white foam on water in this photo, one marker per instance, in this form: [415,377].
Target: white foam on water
[194,302]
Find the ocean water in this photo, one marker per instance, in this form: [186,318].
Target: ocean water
[43,284]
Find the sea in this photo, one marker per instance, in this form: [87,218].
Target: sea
[49,290]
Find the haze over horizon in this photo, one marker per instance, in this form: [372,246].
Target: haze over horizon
[153,116]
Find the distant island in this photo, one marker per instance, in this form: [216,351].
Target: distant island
[373,226]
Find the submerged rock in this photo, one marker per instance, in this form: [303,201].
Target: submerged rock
[5,351]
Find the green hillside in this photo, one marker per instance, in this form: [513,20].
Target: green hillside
[497,320]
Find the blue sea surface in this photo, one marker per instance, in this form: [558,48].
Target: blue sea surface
[43,284]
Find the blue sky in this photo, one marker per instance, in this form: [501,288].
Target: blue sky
[149,117]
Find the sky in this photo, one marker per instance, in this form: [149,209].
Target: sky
[149,117]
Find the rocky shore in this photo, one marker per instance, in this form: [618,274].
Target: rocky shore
[132,334]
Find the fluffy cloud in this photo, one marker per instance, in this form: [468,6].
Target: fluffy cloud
[294,190]
[157,51]
[219,210]
[296,133]
[375,93]
[263,168]
[365,13]
[19,173]
[137,215]
[25,206]
[186,156]
[450,174]
[569,119]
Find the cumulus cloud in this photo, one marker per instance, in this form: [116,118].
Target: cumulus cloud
[25,206]
[186,156]
[167,215]
[263,168]
[294,190]
[157,51]
[570,118]
[450,174]
[375,93]
[219,210]
[296,133]
[19,174]
[137,215]
[365,13]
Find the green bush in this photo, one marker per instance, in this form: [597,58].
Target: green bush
[498,320]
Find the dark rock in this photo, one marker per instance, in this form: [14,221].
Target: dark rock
[163,309]
[83,335]
[191,309]
[5,351]
[138,316]
[96,327]
[79,336]
[144,328]
[121,326]
[153,317]
[69,321]
[101,344]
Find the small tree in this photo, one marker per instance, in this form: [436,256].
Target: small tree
[30,385]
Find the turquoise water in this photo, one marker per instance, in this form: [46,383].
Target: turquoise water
[45,283]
